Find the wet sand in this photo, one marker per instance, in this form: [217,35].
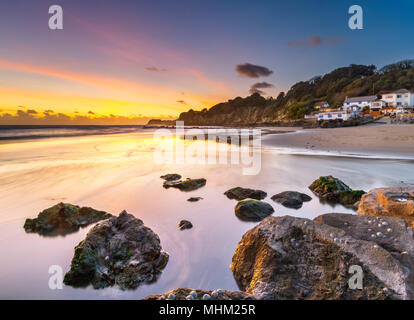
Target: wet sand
[376,139]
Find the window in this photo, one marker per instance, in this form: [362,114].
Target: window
[398,96]
[329,116]
[339,115]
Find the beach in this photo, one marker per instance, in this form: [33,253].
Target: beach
[116,172]
[376,139]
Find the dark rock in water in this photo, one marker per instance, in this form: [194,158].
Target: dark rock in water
[62,219]
[394,202]
[295,258]
[291,199]
[184,224]
[186,185]
[119,251]
[171,177]
[239,193]
[252,210]
[194,199]
[198,294]
[334,190]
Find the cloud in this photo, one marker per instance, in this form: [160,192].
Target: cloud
[154,69]
[315,41]
[255,88]
[252,71]
[91,112]
[182,102]
[49,117]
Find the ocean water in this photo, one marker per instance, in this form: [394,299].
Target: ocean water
[115,171]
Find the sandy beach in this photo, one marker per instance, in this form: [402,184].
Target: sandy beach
[376,139]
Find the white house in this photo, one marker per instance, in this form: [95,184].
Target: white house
[344,115]
[358,103]
[400,99]
[377,105]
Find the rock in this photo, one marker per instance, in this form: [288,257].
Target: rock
[394,202]
[239,193]
[295,258]
[252,210]
[119,251]
[171,177]
[194,199]
[184,224]
[334,190]
[186,185]
[63,218]
[184,293]
[291,199]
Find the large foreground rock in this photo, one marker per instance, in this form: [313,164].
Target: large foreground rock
[198,294]
[119,251]
[252,210]
[240,193]
[63,218]
[295,258]
[291,199]
[185,185]
[331,189]
[394,202]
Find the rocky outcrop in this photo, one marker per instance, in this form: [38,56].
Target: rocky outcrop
[239,193]
[334,190]
[63,218]
[252,210]
[171,177]
[295,258]
[185,185]
[291,199]
[119,251]
[200,294]
[394,202]
[184,224]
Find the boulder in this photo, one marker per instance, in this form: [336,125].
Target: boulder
[119,251]
[334,190]
[62,219]
[394,202]
[185,185]
[295,258]
[252,210]
[194,199]
[291,199]
[184,224]
[239,193]
[171,177]
[198,294]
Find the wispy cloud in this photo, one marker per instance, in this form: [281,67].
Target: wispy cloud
[315,41]
[255,88]
[155,69]
[252,71]
[49,117]
[182,102]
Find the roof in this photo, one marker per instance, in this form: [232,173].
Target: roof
[360,99]
[402,91]
[320,103]
[394,92]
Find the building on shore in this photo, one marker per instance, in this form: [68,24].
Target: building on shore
[334,115]
[321,105]
[358,103]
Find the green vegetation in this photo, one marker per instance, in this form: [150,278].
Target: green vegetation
[334,87]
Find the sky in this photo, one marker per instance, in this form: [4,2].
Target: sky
[127,61]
